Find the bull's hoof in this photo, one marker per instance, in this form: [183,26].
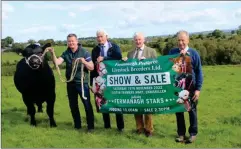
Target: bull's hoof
[53,124]
[33,124]
[40,110]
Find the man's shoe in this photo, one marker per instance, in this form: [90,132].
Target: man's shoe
[148,134]
[138,131]
[180,139]
[191,139]
[77,127]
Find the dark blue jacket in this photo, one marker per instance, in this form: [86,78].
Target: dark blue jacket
[113,53]
[196,66]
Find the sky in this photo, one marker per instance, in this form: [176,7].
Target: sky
[24,20]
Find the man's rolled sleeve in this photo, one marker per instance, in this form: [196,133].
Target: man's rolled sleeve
[88,57]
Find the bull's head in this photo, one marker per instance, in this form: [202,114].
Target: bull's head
[177,64]
[183,96]
[33,54]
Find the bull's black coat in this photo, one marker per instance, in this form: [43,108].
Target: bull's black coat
[36,85]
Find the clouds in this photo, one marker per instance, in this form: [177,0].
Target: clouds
[119,18]
[38,29]
[72,14]
[67,6]
[85,8]
[238,13]
[159,13]
[6,10]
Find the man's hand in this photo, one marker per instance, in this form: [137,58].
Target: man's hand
[100,59]
[82,60]
[51,49]
[196,95]
[124,58]
[141,58]
[91,89]
[183,52]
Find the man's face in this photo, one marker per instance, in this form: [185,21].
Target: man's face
[72,42]
[139,41]
[182,41]
[101,38]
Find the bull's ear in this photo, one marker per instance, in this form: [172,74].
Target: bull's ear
[24,54]
[46,46]
[171,59]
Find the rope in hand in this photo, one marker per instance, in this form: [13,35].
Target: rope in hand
[73,73]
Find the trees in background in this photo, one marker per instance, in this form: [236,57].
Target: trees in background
[216,47]
[7,42]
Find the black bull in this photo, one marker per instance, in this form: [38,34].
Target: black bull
[34,79]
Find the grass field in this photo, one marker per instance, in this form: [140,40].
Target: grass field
[219,116]
[12,56]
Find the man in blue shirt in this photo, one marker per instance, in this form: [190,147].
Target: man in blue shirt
[106,50]
[183,40]
[73,52]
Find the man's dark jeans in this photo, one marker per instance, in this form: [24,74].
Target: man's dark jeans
[73,90]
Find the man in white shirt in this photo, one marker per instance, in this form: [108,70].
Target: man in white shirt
[106,50]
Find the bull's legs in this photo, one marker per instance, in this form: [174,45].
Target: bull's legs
[50,111]
[40,107]
[30,110]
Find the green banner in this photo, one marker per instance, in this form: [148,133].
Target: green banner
[144,86]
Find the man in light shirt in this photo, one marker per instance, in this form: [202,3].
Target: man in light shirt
[197,77]
[106,50]
[144,122]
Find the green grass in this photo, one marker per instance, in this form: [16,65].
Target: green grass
[218,118]
[10,57]
[60,49]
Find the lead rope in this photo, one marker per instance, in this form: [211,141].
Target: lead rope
[73,73]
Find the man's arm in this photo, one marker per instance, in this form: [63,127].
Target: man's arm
[87,61]
[89,65]
[154,55]
[93,55]
[170,52]
[116,55]
[94,60]
[198,72]
[57,61]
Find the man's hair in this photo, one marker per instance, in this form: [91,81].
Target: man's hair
[138,34]
[101,31]
[183,32]
[72,35]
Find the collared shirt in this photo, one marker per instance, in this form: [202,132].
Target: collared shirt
[106,45]
[185,50]
[140,52]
